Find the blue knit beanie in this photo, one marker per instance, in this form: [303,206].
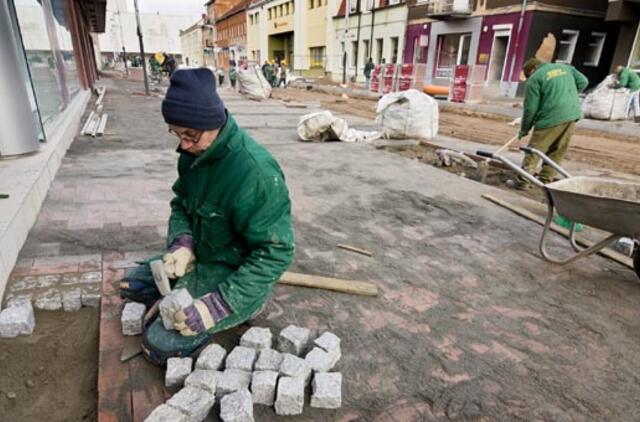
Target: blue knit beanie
[192,101]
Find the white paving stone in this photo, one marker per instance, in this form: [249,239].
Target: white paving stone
[268,360]
[321,361]
[257,338]
[17,320]
[211,357]
[205,379]
[290,396]
[241,358]
[71,300]
[193,402]
[237,407]
[293,340]
[132,318]
[178,369]
[263,387]
[232,380]
[295,367]
[327,390]
[50,300]
[166,413]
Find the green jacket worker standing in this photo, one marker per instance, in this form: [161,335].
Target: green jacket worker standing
[627,78]
[230,236]
[551,108]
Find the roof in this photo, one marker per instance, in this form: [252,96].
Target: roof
[242,5]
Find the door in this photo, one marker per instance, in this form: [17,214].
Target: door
[498,59]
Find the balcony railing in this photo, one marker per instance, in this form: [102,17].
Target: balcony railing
[449,8]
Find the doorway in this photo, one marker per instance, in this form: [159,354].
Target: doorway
[498,60]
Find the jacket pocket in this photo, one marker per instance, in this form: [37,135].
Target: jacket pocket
[215,230]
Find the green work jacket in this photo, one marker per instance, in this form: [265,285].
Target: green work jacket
[551,97]
[627,78]
[234,202]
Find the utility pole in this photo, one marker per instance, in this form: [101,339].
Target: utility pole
[144,61]
[346,39]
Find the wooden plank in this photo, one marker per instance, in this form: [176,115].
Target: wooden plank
[102,125]
[85,128]
[344,286]
[114,393]
[354,249]
[522,212]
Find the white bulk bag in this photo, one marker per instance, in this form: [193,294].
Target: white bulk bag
[408,114]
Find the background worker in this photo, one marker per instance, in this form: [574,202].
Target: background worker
[230,236]
[552,108]
[233,77]
[627,78]
[367,72]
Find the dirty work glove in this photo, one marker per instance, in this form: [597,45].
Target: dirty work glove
[521,135]
[202,315]
[179,259]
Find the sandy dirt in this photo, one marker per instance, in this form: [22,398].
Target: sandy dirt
[618,153]
[53,372]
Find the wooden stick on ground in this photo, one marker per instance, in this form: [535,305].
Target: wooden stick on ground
[354,249]
[613,255]
[344,286]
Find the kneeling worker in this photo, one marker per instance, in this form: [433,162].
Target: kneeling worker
[230,236]
[552,108]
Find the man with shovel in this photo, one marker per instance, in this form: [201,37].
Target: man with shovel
[230,236]
[552,108]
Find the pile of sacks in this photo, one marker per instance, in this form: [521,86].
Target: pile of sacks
[400,115]
[254,373]
[605,102]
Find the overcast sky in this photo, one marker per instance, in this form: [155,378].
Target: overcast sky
[193,8]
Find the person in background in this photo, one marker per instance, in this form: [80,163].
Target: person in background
[220,77]
[282,79]
[266,70]
[552,108]
[367,72]
[233,77]
[627,78]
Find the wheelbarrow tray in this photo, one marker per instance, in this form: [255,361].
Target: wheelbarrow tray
[609,205]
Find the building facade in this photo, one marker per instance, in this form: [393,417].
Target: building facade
[500,35]
[627,49]
[298,32]
[192,43]
[231,32]
[161,33]
[375,28]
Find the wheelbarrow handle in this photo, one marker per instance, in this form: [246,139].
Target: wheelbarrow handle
[513,166]
[547,160]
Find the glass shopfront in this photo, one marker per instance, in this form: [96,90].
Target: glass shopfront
[45,28]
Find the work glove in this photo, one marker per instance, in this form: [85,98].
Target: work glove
[202,315]
[180,258]
[521,135]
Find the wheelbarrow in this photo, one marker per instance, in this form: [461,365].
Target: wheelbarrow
[606,204]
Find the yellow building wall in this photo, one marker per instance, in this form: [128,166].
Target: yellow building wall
[278,22]
[253,35]
[316,26]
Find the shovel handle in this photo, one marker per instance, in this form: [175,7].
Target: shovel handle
[505,146]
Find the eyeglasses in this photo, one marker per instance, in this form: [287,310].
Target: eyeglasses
[183,137]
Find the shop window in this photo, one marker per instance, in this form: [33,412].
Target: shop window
[379,49]
[567,46]
[394,49]
[418,49]
[317,56]
[453,49]
[365,51]
[594,49]
[354,53]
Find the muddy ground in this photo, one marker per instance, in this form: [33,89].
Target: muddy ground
[51,375]
[618,153]
[470,323]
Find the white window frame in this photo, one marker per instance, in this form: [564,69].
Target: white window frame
[572,44]
[599,45]
[393,2]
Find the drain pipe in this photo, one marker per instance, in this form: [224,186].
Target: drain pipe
[517,44]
